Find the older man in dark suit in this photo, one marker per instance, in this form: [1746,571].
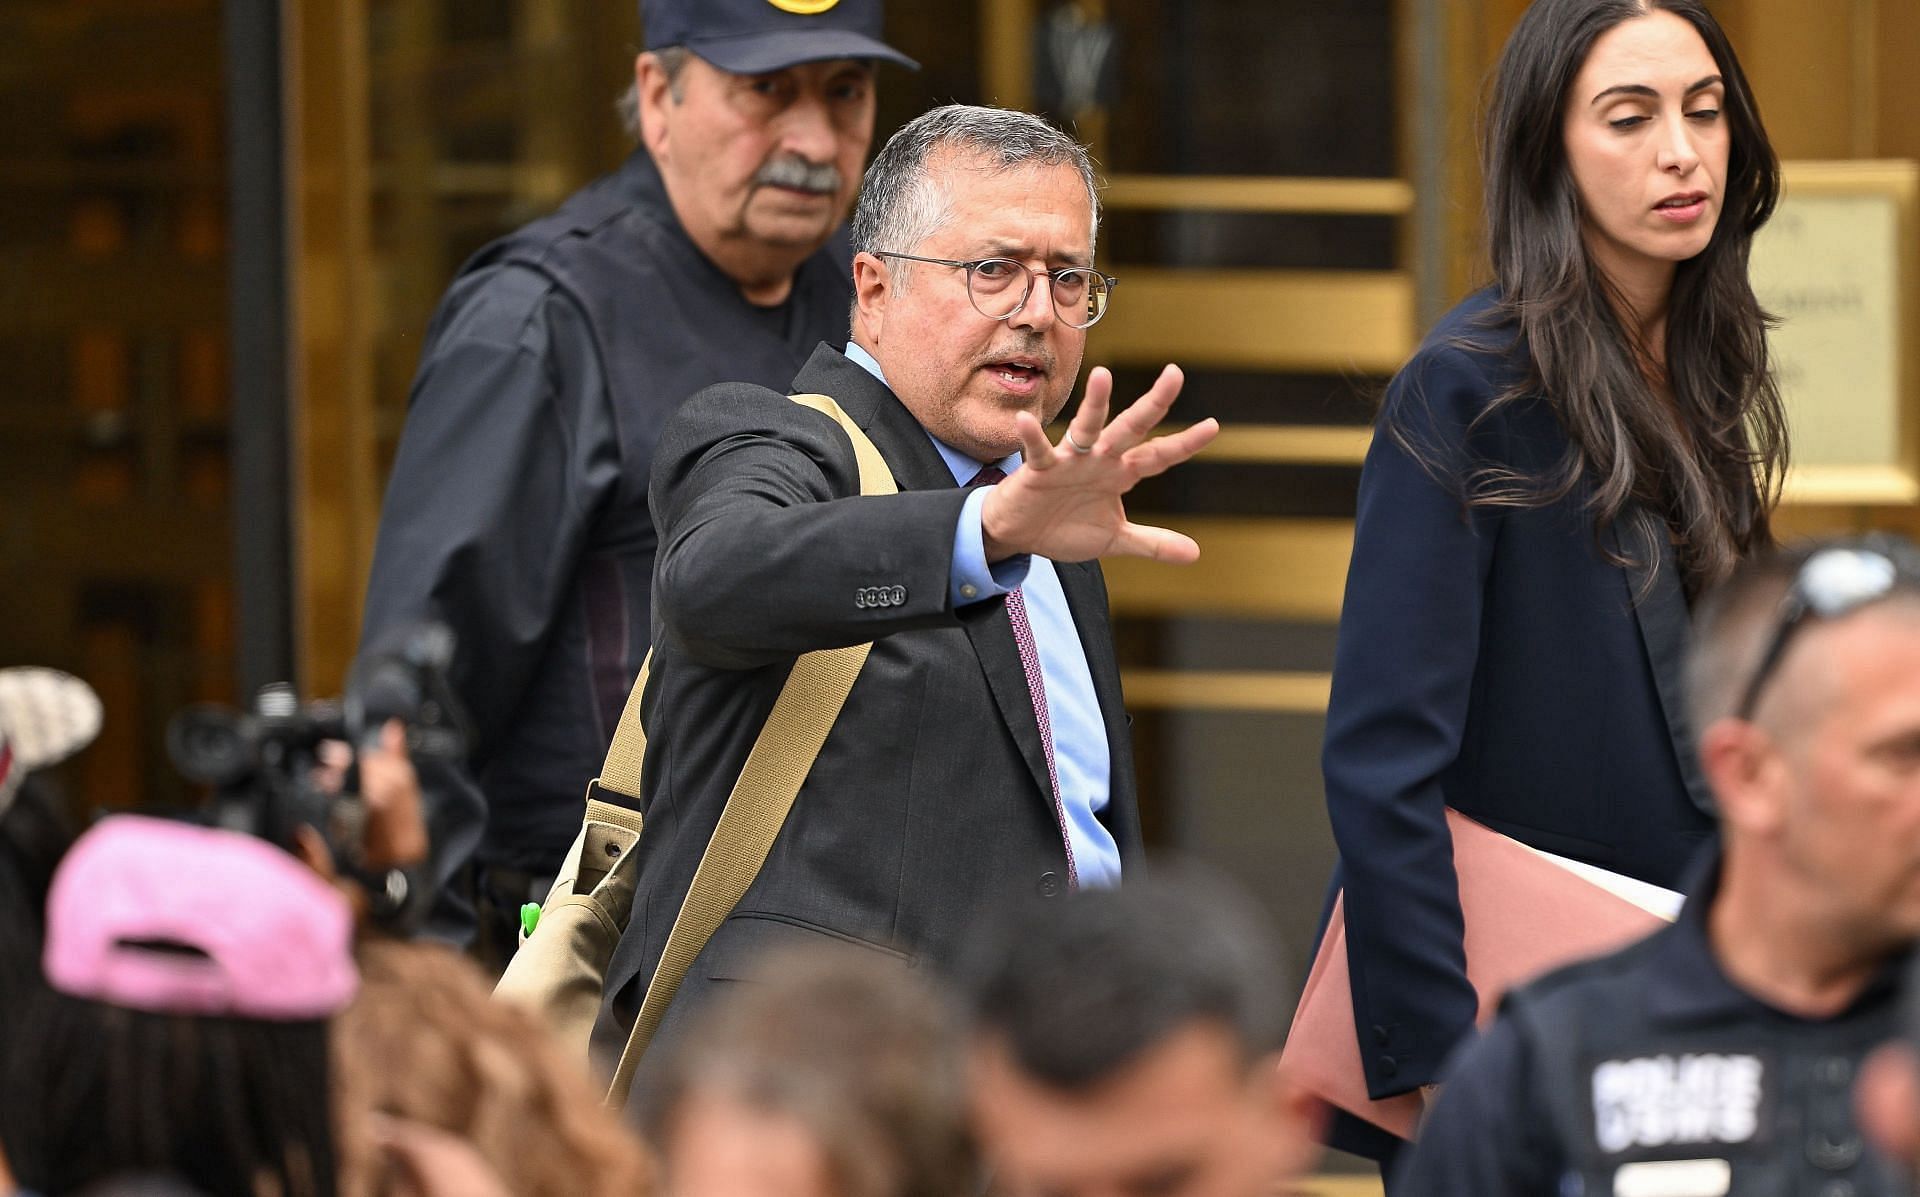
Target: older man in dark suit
[983,749]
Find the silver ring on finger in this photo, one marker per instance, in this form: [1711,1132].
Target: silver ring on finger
[1077,446]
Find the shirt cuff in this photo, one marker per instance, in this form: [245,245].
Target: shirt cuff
[972,578]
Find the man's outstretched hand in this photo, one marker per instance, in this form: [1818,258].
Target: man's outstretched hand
[1064,503]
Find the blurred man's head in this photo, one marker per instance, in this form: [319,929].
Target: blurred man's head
[1805,685]
[835,1073]
[759,114]
[1127,1042]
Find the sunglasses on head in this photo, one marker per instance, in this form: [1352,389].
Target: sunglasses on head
[1830,583]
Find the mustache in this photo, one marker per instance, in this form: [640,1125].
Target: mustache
[822,178]
[1029,347]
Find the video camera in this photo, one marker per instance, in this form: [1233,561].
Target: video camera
[262,763]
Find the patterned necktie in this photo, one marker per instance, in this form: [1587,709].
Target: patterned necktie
[1036,686]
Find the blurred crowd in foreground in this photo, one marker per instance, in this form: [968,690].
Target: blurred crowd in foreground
[193,1010]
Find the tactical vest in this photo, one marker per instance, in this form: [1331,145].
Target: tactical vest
[1759,1107]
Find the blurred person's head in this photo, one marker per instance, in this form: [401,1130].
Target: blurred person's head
[759,116]
[973,337]
[1887,1094]
[45,717]
[425,1045]
[1804,685]
[1127,1041]
[35,834]
[182,1031]
[834,1073]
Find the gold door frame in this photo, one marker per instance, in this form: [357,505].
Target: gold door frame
[1298,321]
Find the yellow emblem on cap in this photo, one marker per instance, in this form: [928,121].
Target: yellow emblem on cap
[804,7]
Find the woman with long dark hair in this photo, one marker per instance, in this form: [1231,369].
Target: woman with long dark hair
[1571,455]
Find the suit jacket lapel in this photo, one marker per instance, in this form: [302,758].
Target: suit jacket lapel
[909,451]
[917,465]
[1660,611]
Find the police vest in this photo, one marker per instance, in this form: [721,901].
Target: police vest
[1758,1106]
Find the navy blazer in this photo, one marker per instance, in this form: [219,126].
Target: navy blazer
[1498,662]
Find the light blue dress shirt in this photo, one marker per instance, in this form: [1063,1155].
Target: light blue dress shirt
[1080,751]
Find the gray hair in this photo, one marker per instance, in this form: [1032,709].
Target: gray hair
[673,60]
[1730,625]
[902,205]
[1733,622]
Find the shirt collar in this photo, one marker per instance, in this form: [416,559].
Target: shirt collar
[959,464]
[1688,986]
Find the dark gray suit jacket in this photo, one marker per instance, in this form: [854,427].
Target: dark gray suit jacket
[930,799]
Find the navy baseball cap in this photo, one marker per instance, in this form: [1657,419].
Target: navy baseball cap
[752,37]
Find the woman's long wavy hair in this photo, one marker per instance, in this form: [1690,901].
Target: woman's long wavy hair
[1705,469]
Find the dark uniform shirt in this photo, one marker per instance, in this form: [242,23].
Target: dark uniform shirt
[517,511]
[1650,1072]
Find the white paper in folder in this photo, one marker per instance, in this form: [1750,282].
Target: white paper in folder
[1664,903]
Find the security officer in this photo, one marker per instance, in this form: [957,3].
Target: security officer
[1718,1056]
[517,511]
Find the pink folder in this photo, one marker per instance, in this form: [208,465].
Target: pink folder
[1525,914]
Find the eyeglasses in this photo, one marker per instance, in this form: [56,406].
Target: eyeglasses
[991,286]
[1831,583]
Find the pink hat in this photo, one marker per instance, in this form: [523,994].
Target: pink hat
[260,935]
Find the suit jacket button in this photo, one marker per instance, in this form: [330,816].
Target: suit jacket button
[898,594]
[1381,1037]
[1049,886]
[1389,1066]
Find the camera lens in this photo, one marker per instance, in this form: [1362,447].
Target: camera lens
[210,745]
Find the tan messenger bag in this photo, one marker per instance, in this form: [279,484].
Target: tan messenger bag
[560,969]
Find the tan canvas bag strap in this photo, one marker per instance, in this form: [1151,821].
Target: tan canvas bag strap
[776,767]
[620,772]
[624,817]
[875,477]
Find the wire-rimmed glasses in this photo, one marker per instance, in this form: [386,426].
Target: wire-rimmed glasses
[1080,293]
